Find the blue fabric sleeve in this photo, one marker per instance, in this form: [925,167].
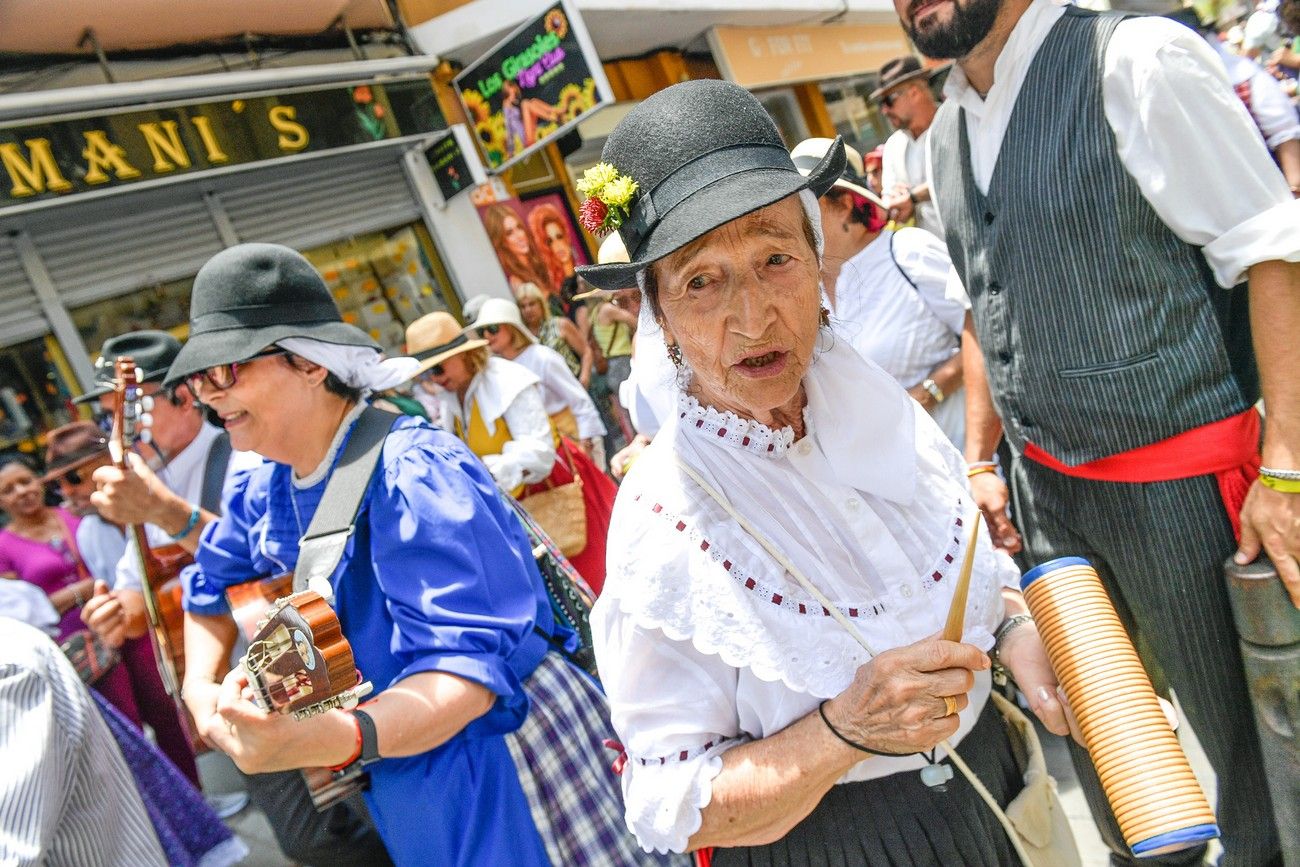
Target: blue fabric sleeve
[454,567]
[225,555]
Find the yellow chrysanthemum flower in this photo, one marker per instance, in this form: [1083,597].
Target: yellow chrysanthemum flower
[619,192]
[595,179]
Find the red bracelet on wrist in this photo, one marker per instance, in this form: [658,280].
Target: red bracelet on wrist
[356,753]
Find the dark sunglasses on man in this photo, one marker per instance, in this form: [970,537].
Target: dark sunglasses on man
[889,99]
[220,377]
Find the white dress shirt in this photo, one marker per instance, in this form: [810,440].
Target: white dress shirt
[904,162]
[102,546]
[561,389]
[704,642]
[66,794]
[891,305]
[182,475]
[1180,131]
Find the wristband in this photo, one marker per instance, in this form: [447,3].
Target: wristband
[1289,475]
[356,752]
[369,737]
[935,391]
[1281,485]
[1009,624]
[189,525]
[975,471]
[973,464]
[821,709]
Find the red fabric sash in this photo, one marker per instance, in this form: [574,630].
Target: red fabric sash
[1228,449]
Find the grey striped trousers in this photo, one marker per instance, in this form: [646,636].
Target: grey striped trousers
[1159,548]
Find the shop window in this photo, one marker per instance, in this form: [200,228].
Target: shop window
[855,116]
[36,391]
[384,281]
[784,108]
[162,306]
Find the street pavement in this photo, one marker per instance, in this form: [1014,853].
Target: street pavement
[252,827]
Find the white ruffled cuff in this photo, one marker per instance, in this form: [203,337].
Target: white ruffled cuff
[664,803]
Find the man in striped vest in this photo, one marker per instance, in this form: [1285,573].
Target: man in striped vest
[1103,193]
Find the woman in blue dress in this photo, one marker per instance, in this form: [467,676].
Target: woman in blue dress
[488,740]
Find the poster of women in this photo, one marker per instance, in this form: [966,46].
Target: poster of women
[533,86]
[536,240]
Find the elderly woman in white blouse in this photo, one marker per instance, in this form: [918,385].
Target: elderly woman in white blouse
[752,721]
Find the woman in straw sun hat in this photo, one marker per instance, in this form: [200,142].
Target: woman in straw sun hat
[790,542]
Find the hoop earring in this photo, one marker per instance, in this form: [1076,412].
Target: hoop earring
[675,354]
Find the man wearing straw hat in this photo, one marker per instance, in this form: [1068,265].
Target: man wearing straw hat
[1107,272]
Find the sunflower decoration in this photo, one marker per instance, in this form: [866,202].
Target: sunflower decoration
[490,129]
[609,195]
[574,99]
[557,23]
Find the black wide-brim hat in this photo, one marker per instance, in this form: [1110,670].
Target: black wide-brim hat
[251,295]
[703,153]
[152,351]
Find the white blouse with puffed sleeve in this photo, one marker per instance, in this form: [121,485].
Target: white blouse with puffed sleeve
[704,642]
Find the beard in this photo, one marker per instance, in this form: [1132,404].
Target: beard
[959,36]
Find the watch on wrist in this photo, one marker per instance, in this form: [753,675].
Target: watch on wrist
[369,738]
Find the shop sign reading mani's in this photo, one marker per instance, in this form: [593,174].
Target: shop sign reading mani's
[77,155]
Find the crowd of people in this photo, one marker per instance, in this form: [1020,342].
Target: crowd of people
[697,511]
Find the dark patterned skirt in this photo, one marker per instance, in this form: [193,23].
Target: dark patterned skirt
[899,821]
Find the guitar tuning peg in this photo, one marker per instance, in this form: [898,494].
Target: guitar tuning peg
[146,420]
[146,436]
[147,402]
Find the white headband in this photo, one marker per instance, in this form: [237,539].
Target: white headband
[358,366]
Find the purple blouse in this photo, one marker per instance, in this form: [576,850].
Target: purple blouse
[50,566]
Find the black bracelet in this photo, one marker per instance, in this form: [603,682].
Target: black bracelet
[821,709]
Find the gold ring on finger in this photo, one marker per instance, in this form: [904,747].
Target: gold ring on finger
[949,705]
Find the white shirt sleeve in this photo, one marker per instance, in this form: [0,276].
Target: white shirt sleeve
[893,163]
[924,259]
[559,380]
[1194,151]
[673,706]
[1273,111]
[530,454]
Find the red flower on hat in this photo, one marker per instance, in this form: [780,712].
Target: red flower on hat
[592,216]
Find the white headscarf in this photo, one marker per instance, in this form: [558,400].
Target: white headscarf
[358,366]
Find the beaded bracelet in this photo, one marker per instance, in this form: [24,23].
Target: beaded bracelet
[189,525]
[821,709]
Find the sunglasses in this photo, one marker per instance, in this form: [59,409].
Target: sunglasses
[436,370]
[72,477]
[889,99]
[490,329]
[223,376]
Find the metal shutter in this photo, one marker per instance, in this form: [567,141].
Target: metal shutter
[319,201]
[112,245]
[21,316]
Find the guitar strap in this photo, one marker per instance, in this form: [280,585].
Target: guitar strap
[321,547]
[214,474]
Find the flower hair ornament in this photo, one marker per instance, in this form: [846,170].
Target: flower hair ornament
[608,196]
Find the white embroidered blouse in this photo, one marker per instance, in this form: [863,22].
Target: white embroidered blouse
[704,642]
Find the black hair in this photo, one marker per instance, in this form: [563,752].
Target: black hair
[859,211]
[332,383]
[18,458]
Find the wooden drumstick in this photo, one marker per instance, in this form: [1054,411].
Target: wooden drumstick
[957,611]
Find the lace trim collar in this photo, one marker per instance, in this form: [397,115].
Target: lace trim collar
[327,463]
[740,433]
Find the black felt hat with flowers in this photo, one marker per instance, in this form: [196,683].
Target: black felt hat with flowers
[682,163]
